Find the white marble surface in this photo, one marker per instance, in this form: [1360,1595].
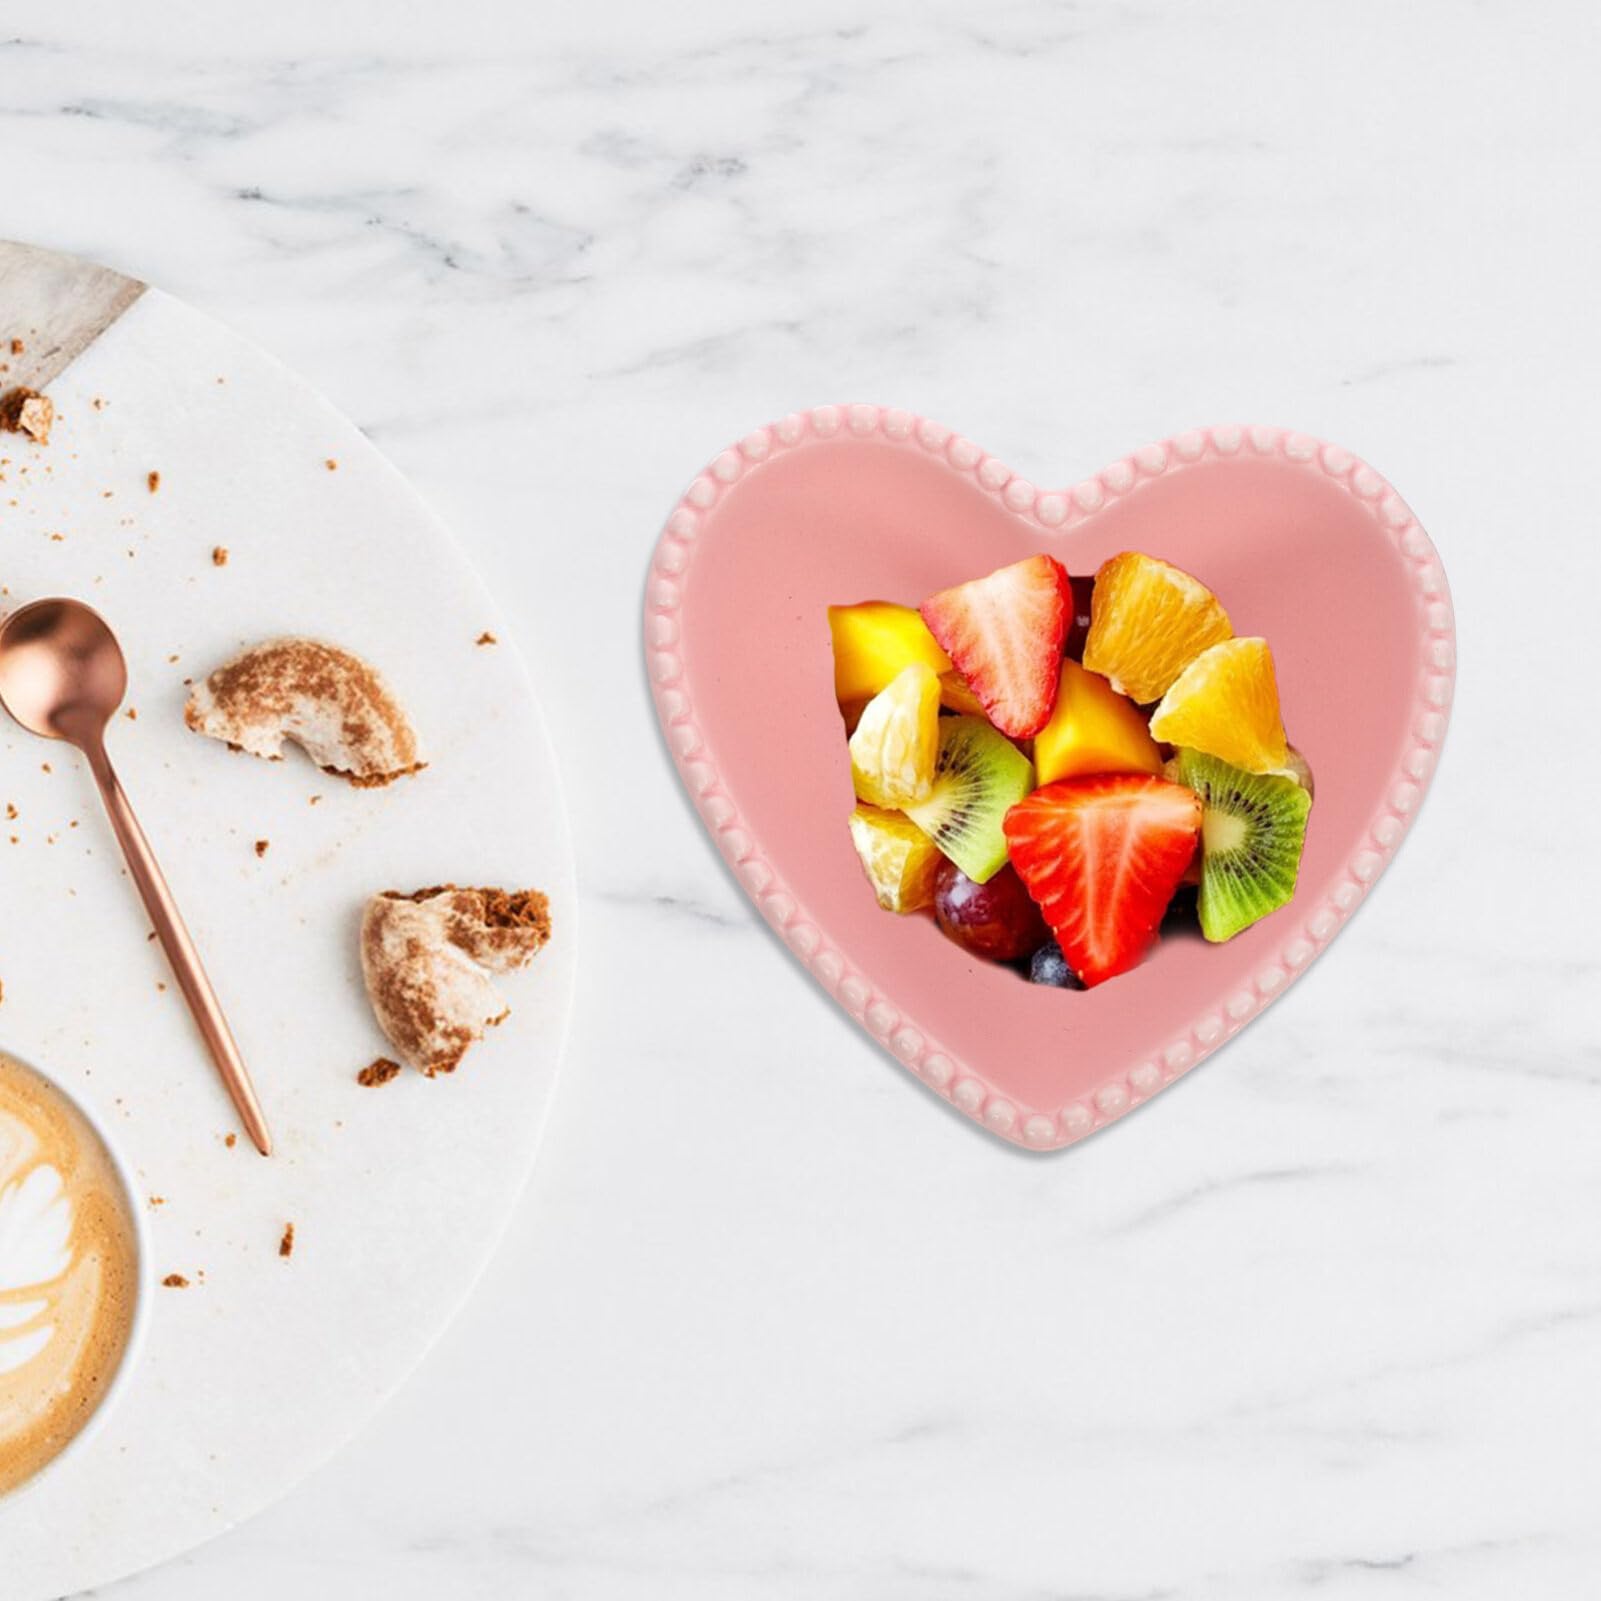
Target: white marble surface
[770,1323]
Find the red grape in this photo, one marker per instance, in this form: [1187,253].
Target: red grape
[997,920]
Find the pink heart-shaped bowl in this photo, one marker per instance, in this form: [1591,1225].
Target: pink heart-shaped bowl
[1303,544]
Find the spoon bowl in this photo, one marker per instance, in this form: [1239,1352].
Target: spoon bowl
[62,672]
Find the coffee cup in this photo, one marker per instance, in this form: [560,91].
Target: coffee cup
[74,1290]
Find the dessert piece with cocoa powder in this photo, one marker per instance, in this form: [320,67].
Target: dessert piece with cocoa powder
[428,959]
[329,702]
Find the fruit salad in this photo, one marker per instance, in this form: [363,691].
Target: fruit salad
[1058,797]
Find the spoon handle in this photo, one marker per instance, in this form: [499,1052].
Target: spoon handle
[180,949]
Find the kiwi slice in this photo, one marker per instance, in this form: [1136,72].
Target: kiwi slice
[1252,828]
[979,777]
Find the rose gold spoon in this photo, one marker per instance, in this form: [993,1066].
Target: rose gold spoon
[62,675]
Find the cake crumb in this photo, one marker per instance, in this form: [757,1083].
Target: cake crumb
[486,638]
[132,714]
[17,347]
[230,1140]
[219,555]
[26,411]
[158,1200]
[311,800]
[176,1281]
[152,481]
[379,1071]
[331,465]
[11,811]
[286,1246]
[261,847]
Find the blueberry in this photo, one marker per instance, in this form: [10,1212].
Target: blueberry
[1049,966]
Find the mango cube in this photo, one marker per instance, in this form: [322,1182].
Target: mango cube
[873,642]
[1092,729]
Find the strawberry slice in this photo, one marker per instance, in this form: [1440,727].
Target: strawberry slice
[1004,633]
[1102,857]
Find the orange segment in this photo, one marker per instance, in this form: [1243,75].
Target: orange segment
[1226,703]
[1148,622]
[900,860]
[1092,729]
[896,742]
[957,695]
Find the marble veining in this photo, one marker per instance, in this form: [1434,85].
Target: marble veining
[1321,1319]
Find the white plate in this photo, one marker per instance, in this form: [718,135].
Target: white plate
[257,1371]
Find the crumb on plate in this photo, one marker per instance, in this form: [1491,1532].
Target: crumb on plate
[26,411]
[379,1071]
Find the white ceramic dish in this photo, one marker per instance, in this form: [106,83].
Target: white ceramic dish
[253,1374]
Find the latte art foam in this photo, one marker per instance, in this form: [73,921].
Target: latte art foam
[68,1272]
